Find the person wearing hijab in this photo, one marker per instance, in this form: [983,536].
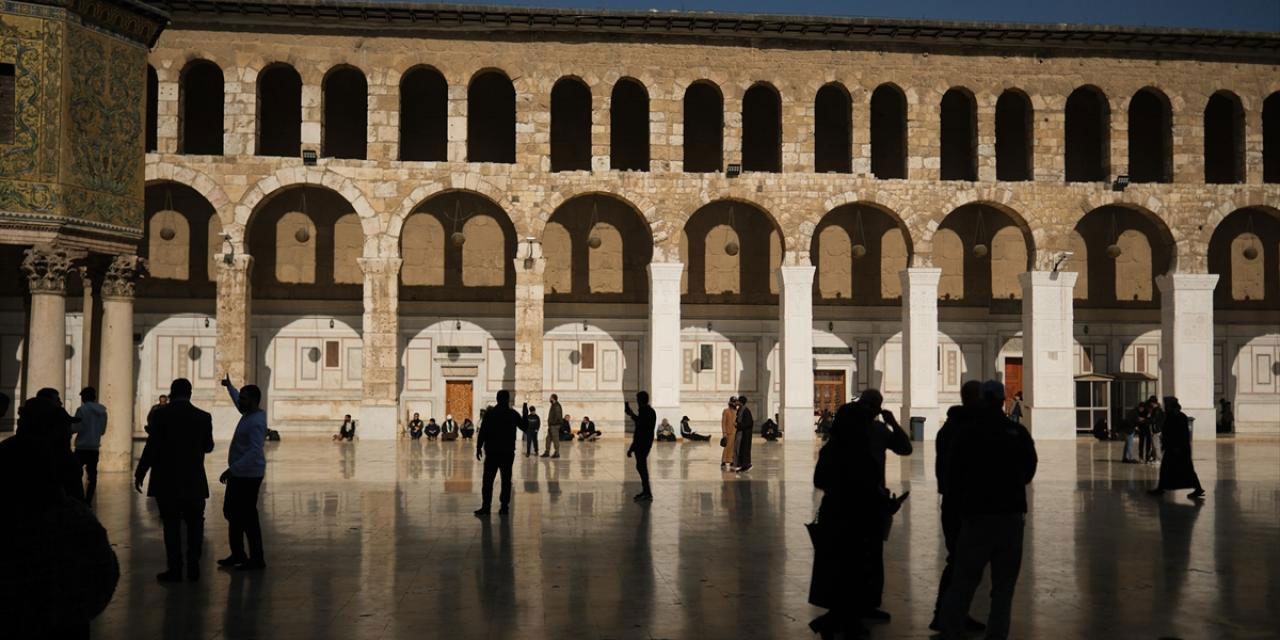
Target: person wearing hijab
[665,432]
[1176,469]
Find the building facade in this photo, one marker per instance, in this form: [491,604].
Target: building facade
[385,209]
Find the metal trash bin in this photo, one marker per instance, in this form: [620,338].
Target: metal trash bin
[917,428]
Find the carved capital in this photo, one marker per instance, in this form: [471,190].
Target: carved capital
[122,275]
[46,269]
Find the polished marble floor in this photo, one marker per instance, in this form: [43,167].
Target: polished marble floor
[375,540]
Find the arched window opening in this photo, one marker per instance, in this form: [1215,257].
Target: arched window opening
[1223,139]
[959,135]
[422,245]
[703,129]
[762,129]
[605,261]
[557,247]
[629,127]
[1014,137]
[491,119]
[295,249]
[1133,267]
[346,114]
[1123,250]
[201,109]
[987,251]
[1008,259]
[153,98]
[169,239]
[835,263]
[1150,138]
[570,126]
[889,133]
[484,241]
[893,261]
[1271,138]
[722,267]
[1244,251]
[833,130]
[424,115]
[733,249]
[182,236]
[279,112]
[948,255]
[1087,132]
[858,250]
[348,246]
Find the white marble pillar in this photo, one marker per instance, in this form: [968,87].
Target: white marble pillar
[664,339]
[46,359]
[529,321]
[1186,346]
[795,340]
[920,348]
[86,328]
[380,329]
[117,356]
[1048,351]
[232,351]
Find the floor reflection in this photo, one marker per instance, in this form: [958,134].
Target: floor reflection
[388,548]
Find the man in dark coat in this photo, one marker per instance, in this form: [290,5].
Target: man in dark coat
[496,445]
[959,418]
[744,425]
[883,435]
[180,436]
[989,467]
[642,441]
[1176,469]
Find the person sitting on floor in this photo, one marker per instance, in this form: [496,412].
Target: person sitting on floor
[665,432]
[769,430]
[587,429]
[688,433]
[468,429]
[449,430]
[432,429]
[415,427]
[347,431]
[566,432]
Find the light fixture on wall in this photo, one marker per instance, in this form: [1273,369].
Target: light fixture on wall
[733,171]
[1121,183]
[980,248]
[731,247]
[457,325]
[330,323]
[1250,251]
[708,326]
[229,254]
[1062,257]
[206,323]
[594,240]
[1113,250]
[309,157]
[584,325]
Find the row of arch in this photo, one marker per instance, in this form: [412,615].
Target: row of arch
[491,126]
[307,240]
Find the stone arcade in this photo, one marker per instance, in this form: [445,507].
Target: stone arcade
[385,208]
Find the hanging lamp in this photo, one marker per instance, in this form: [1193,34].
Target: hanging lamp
[860,245]
[1113,250]
[594,240]
[1250,251]
[980,249]
[458,238]
[303,234]
[731,247]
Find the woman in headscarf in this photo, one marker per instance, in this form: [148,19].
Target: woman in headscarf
[1176,470]
[851,513]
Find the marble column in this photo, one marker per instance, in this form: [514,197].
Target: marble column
[920,348]
[86,329]
[1186,346]
[664,340]
[529,325]
[232,351]
[380,329]
[795,354]
[117,356]
[1048,349]
[46,360]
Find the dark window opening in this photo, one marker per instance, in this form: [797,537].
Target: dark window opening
[959,135]
[1271,138]
[1223,139]
[346,114]
[279,112]
[762,130]
[491,119]
[424,115]
[629,127]
[1087,132]
[201,109]
[153,97]
[833,130]
[570,126]
[331,354]
[1013,137]
[703,129]
[1150,138]
[888,133]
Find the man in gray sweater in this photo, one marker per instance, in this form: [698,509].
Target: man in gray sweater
[90,424]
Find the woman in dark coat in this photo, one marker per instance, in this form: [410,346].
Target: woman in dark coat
[852,512]
[1176,470]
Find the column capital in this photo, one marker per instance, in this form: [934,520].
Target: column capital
[666,271]
[46,269]
[1064,279]
[797,274]
[1170,282]
[920,276]
[122,275]
[380,265]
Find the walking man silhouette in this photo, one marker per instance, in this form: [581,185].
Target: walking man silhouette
[642,441]
[496,445]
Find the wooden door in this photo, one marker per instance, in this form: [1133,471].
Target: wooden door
[828,391]
[457,399]
[1012,381]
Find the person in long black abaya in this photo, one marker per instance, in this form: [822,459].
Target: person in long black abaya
[1176,469]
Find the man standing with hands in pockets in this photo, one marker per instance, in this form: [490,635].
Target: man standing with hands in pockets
[246,465]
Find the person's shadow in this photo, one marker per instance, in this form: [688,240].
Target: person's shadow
[347,459]
[1177,523]
[244,598]
[496,582]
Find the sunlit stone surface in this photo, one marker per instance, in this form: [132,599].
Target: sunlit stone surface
[377,540]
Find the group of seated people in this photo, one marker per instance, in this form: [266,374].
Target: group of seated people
[448,431]
[668,434]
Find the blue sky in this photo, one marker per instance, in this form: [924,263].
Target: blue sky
[1245,15]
